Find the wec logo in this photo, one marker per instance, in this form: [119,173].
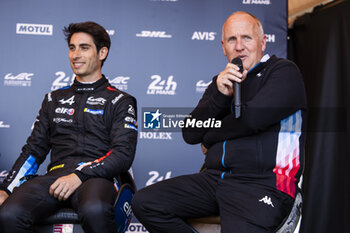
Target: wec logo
[154,34]
[22,79]
[21,76]
[120,82]
[162,87]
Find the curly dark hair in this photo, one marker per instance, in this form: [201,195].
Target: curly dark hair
[98,33]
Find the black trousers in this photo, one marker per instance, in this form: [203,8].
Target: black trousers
[244,206]
[31,202]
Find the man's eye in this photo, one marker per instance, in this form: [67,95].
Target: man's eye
[85,48]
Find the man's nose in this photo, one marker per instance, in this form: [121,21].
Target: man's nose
[239,45]
[76,53]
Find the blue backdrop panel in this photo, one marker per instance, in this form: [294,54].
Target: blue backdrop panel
[164,52]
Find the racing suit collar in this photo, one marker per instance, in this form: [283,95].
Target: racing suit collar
[83,87]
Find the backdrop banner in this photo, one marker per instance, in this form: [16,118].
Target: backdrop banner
[164,52]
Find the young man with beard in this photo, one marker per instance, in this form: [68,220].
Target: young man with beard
[86,128]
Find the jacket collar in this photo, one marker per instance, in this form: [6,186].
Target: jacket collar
[81,87]
[261,65]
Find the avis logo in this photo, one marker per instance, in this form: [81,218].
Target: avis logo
[61,80]
[162,87]
[201,86]
[22,79]
[203,36]
[120,82]
[34,29]
[154,34]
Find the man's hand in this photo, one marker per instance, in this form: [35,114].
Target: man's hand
[64,186]
[227,76]
[3,196]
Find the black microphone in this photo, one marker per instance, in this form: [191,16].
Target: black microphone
[238,62]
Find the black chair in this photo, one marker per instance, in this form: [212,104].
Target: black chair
[66,220]
[211,224]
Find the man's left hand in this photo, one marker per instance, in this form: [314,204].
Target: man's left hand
[64,186]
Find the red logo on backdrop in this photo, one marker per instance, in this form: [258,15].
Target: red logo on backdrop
[63,228]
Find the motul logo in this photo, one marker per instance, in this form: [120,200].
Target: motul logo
[153,34]
[34,29]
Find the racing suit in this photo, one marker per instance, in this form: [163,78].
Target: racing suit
[91,130]
[252,165]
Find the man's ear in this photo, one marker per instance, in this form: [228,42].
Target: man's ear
[223,48]
[103,53]
[263,43]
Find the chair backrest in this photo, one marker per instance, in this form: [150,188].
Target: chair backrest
[122,206]
[290,223]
